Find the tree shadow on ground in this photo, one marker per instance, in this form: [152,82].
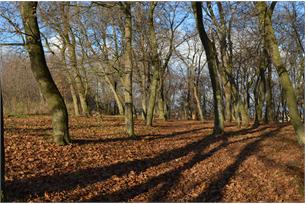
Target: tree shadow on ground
[170,178]
[214,192]
[137,138]
[22,189]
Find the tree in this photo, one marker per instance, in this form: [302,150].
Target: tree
[155,61]
[42,74]
[265,22]
[2,157]
[126,7]
[70,42]
[211,56]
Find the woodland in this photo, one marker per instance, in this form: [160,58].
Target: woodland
[152,101]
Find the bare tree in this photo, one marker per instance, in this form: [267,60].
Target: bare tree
[42,74]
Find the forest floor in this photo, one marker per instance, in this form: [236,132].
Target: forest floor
[174,161]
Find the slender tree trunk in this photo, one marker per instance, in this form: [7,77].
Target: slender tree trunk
[78,80]
[228,102]
[71,81]
[269,116]
[74,97]
[259,92]
[244,114]
[128,70]
[117,97]
[211,56]
[198,104]
[2,152]
[42,74]
[70,42]
[161,101]
[265,14]
[155,66]
[143,101]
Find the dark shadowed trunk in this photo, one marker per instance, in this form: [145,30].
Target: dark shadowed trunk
[2,158]
[272,47]
[211,56]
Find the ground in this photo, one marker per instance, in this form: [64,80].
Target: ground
[174,161]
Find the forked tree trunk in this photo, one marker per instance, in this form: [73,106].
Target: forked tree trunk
[71,81]
[70,42]
[42,74]
[272,47]
[211,56]
[117,97]
[155,67]
[74,96]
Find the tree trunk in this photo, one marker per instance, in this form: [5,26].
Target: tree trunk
[211,57]
[71,46]
[198,104]
[161,102]
[259,93]
[155,66]
[42,74]
[228,102]
[70,80]
[269,116]
[74,97]
[273,50]
[128,70]
[117,97]
[2,152]
[244,114]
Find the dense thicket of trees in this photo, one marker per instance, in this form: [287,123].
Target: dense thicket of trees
[230,61]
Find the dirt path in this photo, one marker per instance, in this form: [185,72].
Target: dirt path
[173,161]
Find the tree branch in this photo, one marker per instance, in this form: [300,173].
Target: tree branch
[12,44]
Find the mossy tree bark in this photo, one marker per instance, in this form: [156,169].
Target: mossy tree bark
[269,114]
[2,157]
[126,7]
[162,112]
[42,74]
[211,56]
[259,92]
[272,47]
[155,63]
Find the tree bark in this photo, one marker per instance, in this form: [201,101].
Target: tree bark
[155,66]
[161,101]
[272,47]
[71,46]
[71,82]
[198,104]
[42,74]
[126,6]
[269,115]
[74,97]
[2,152]
[211,56]
[117,97]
